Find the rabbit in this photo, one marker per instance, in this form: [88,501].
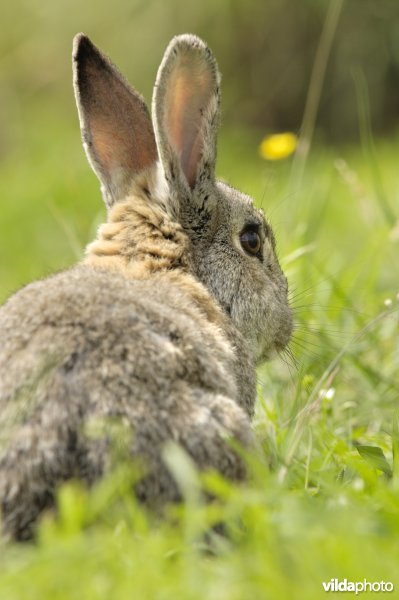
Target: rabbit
[161,325]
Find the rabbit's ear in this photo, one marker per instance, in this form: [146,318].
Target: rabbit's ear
[116,127]
[186,111]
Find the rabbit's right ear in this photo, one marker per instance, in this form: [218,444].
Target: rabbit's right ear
[186,113]
[116,127]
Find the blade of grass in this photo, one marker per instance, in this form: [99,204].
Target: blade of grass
[313,98]
[367,141]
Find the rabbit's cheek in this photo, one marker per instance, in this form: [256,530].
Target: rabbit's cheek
[280,331]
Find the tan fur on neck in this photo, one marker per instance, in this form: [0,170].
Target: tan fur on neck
[140,241]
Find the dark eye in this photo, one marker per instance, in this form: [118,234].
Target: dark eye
[250,241]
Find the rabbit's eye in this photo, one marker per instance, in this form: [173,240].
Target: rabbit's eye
[250,241]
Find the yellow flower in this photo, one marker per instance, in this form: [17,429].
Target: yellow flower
[278,146]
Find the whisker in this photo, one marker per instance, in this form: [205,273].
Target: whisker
[315,287]
[307,342]
[331,309]
[300,294]
[305,352]
[310,347]
[292,357]
[290,365]
[308,328]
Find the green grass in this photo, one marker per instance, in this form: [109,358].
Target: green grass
[322,505]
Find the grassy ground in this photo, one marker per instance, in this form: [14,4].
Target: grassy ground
[326,505]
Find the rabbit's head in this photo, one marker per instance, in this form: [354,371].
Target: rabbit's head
[172,161]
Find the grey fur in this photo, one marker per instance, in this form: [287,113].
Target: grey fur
[161,326]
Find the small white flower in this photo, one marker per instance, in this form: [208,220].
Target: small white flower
[327,394]
[358,484]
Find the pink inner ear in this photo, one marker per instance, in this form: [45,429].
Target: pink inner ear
[188,97]
[107,144]
[118,147]
[118,123]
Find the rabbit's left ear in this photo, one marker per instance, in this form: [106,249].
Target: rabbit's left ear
[186,106]
[116,126]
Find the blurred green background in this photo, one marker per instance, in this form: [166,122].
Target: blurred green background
[266,52]
[265,49]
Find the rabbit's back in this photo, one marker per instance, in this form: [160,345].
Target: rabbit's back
[89,347]
[107,331]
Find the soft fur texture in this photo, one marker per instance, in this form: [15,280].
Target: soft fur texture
[161,326]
